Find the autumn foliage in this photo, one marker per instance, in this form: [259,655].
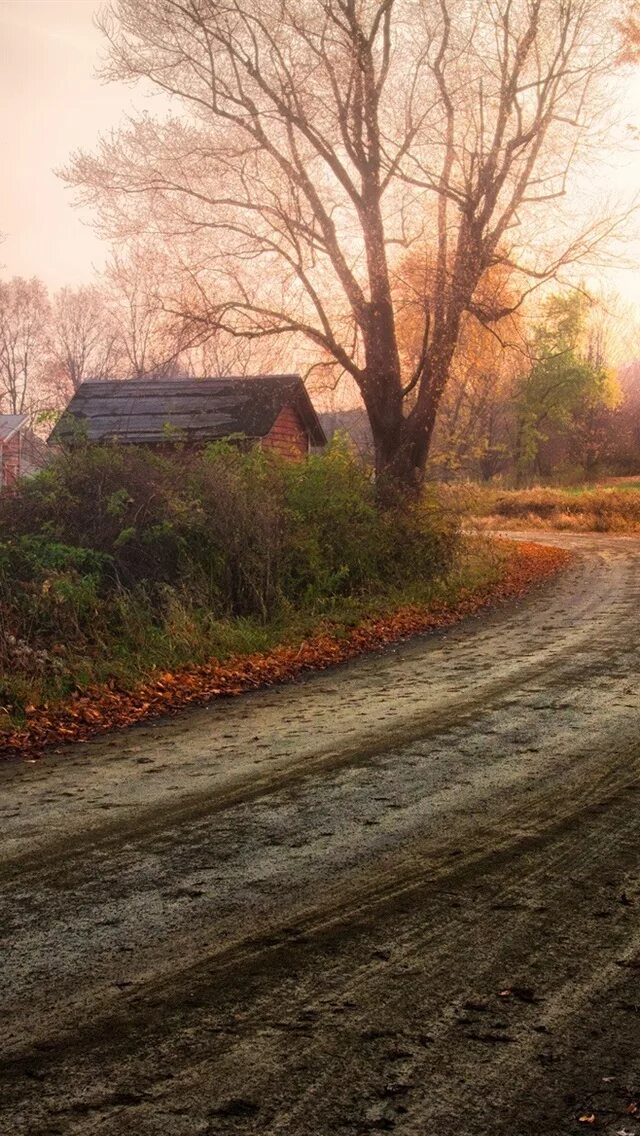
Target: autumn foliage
[477,403]
[104,707]
[134,583]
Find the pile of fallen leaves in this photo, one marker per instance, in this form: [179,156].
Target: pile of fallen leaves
[102,708]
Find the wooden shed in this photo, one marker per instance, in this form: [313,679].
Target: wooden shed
[273,411]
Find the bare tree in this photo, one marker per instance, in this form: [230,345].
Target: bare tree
[151,338]
[218,354]
[629,26]
[84,341]
[314,141]
[24,316]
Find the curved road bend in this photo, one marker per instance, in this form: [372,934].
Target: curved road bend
[402,896]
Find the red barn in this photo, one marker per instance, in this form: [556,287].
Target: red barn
[272,411]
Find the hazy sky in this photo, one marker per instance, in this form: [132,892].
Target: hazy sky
[52,103]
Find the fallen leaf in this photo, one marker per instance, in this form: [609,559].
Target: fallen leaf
[88,712]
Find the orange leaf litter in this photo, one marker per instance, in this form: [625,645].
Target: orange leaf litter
[102,708]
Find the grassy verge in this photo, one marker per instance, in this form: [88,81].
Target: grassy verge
[246,654]
[117,562]
[573,510]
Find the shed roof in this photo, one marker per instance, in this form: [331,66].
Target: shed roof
[10,424]
[140,411]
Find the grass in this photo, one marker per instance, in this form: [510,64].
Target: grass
[608,508]
[626,486]
[485,574]
[116,562]
[189,637]
[616,485]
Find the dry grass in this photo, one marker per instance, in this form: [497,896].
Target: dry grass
[597,510]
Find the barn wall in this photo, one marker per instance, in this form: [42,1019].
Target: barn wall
[10,460]
[288,435]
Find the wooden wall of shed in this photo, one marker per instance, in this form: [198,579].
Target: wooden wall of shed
[10,460]
[288,435]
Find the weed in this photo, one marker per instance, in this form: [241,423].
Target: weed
[116,560]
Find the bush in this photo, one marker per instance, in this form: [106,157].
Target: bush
[119,554]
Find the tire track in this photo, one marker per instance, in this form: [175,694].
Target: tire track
[323,942]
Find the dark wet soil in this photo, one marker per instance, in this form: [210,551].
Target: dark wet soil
[403,896]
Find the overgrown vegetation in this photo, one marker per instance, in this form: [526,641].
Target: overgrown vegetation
[115,561]
[578,509]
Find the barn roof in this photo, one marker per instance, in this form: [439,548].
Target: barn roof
[10,424]
[142,411]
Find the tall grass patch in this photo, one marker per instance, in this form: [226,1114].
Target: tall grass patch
[597,510]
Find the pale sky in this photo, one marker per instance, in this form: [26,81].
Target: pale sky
[52,103]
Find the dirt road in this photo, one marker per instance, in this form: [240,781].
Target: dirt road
[400,897]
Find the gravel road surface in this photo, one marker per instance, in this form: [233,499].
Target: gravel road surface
[401,896]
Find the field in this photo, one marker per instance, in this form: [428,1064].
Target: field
[608,507]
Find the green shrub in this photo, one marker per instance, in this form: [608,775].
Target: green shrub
[332,526]
[115,555]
